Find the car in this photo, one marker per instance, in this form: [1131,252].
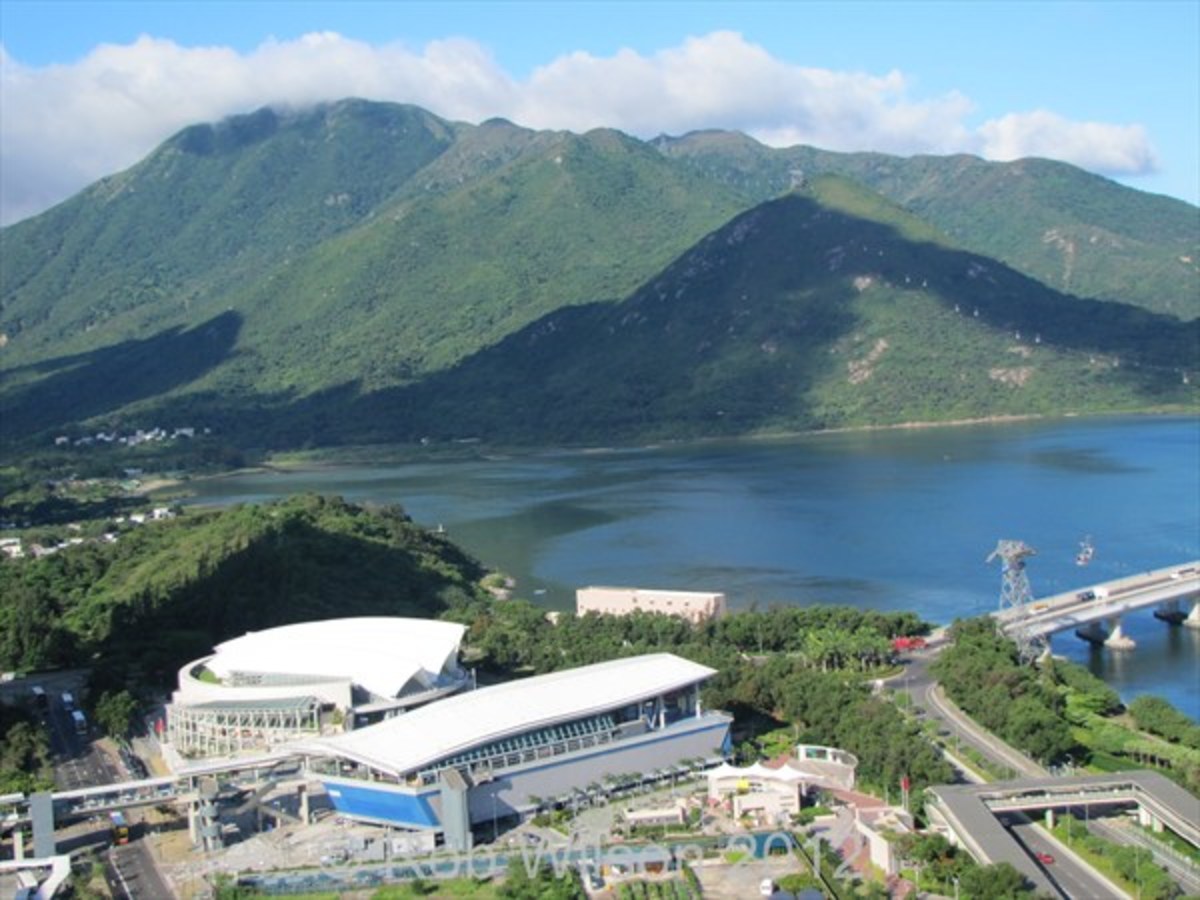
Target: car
[1085,595]
[1045,859]
[767,887]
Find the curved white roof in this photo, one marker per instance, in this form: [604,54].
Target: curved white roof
[407,742]
[379,653]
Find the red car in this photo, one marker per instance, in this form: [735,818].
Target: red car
[1045,859]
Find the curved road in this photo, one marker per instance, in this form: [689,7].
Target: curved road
[1075,879]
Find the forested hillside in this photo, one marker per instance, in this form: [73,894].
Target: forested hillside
[166,592]
[368,271]
[826,308]
[1077,232]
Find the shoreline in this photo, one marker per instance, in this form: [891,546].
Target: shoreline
[409,454]
[404,454]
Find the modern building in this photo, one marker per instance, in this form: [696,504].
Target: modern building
[774,790]
[695,606]
[298,680]
[505,750]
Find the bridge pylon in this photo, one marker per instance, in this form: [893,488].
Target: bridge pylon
[1016,596]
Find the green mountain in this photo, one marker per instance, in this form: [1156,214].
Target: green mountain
[829,307]
[1077,232]
[365,271]
[357,246]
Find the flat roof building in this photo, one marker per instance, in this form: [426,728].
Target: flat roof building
[498,751]
[695,606]
[271,686]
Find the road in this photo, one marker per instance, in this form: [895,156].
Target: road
[922,688]
[1185,872]
[79,762]
[132,874]
[1073,879]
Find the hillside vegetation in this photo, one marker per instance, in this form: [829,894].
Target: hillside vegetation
[1076,232]
[168,591]
[826,308]
[370,272]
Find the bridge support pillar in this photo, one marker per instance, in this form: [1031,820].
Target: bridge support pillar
[1050,819]
[1193,616]
[1117,639]
[1093,633]
[304,816]
[1169,612]
[1147,819]
[18,844]
[193,812]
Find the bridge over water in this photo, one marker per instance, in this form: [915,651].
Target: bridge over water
[1095,611]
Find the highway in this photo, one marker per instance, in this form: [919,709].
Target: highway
[1069,876]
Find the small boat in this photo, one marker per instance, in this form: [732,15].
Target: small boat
[1086,551]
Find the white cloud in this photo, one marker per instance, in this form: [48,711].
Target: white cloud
[64,126]
[1099,146]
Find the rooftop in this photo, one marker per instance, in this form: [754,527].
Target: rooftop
[382,654]
[408,742]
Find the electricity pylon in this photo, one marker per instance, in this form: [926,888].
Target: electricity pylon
[1015,595]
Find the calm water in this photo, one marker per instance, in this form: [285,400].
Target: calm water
[889,520]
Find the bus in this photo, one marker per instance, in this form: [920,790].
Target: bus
[80,721]
[119,828]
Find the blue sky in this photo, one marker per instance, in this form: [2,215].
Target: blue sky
[87,88]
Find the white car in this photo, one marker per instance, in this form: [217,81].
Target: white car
[766,887]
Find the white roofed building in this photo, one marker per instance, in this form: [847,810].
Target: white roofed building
[488,753]
[271,686]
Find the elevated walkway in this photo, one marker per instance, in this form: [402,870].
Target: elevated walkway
[970,812]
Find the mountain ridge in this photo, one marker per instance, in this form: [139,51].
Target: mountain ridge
[277,272]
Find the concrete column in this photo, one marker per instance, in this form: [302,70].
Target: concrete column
[304,817]
[1193,616]
[18,844]
[1050,819]
[1117,639]
[193,810]
[1093,633]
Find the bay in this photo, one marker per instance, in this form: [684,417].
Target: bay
[887,519]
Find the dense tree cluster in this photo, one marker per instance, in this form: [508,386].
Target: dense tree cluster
[983,674]
[1157,716]
[24,752]
[803,665]
[139,608]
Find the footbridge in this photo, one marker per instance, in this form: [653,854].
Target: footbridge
[1095,611]
[196,787]
[969,812]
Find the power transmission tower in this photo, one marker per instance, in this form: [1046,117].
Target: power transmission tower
[1015,595]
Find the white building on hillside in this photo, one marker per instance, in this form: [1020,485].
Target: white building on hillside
[274,685]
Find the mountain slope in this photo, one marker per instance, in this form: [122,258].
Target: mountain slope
[1072,230]
[825,308]
[361,270]
[353,246]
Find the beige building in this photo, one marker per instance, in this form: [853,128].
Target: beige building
[695,606]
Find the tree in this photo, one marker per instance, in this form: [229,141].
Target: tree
[115,713]
[995,882]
